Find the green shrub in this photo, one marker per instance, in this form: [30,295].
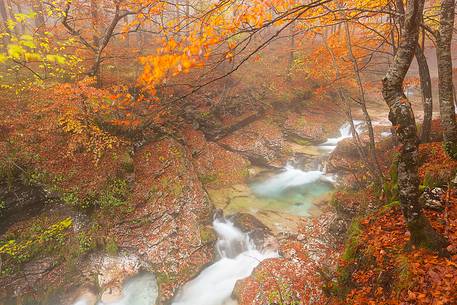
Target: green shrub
[86,243]
[115,194]
[40,241]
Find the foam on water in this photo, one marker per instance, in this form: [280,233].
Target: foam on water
[139,290]
[290,177]
[345,132]
[238,258]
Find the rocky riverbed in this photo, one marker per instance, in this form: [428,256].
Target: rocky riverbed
[267,178]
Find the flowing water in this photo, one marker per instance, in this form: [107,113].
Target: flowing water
[345,132]
[238,257]
[293,189]
[238,254]
[138,290]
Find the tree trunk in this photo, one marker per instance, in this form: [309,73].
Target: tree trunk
[346,104]
[290,64]
[446,94]
[4,27]
[426,88]
[362,102]
[19,10]
[12,16]
[402,118]
[95,23]
[37,6]
[127,35]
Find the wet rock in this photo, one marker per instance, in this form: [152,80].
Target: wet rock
[32,274]
[113,270]
[19,202]
[35,269]
[306,162]
[304,137]
[297,129]
[261,142]
[338,227]
[247,222]
[432,199]
[258,232]
[170,207]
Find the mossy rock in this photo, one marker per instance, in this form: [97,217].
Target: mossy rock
[207,235]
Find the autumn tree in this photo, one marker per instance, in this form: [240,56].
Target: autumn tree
[105,24]
[403,120]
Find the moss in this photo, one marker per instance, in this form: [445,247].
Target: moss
[208,178]
[70,199]
[352,241]
[34,242]
[163,278]
[403,274]
[391,185]
[177,189]
[298,140]
[111,246]
[207,235]
[451,149]
[114,195]
[127,163]
[86,243]
[391,205]
[351,254]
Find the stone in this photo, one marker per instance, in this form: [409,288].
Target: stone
[432,199]
[338,227]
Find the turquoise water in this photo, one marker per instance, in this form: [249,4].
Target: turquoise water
[292,191]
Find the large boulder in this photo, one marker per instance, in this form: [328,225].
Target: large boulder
[170,208]
[261,142]
[297,128]
[258,232]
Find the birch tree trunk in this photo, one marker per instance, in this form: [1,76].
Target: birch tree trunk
[402,118]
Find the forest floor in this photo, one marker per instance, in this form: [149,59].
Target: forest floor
[376,266]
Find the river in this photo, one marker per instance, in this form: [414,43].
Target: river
[238,254]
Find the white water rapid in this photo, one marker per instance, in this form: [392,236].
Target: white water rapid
[345,132]
[289,178]
[238,257]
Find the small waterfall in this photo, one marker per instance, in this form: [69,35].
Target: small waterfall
[290,177]
[238,258]
[345,132]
